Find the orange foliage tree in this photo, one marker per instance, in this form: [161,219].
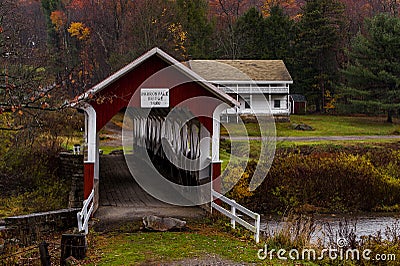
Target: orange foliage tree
[290,6]
[59,19]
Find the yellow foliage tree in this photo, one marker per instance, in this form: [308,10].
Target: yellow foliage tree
[79,31]
[330,101]
[179,36]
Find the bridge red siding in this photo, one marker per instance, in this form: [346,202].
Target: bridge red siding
[216,183]
[192,90]
[117,95]
[88,179]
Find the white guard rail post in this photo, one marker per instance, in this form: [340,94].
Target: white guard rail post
[84,215]
[233,214]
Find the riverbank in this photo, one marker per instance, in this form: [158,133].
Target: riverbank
[320,179]
[208,241]
[212,242]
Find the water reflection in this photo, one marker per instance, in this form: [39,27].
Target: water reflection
[333,225]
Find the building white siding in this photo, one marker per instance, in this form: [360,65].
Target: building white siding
[257,96]
[260,103]
[280,104]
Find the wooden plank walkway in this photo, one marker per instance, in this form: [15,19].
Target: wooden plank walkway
[122,199]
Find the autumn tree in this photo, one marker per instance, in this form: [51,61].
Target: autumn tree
[384,6]
[58,43]
[226,13]
[317,43]
[154,23]
[29,92]
[23,73]
[32,110]
[74,58]
[291,7]
[49,6]
[373,73]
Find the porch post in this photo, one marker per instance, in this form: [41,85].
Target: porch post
[215,161]
[91,153]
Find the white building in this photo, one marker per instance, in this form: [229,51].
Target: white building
[251,82]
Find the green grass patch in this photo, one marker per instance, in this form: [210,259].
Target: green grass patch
[335,143]
[68,142]
[108,149]
[233,129]
[155,247]
[49,196]
[323,125]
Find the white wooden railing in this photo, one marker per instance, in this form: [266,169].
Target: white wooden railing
[84,215]
[257,89]
[234,216]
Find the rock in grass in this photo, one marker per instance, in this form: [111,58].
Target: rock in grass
[162,224]
[303,127]
[117,152]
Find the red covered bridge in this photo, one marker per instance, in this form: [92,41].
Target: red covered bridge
[189,95]
[175,133]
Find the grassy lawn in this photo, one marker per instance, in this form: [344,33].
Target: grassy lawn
[200,241]
[226,157]
[335,143]
[324,125]
[339,126]
[108,149]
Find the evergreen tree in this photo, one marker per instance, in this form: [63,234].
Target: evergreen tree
[373,73]
[250,35]
[318,37]
[278,34]
[193,17]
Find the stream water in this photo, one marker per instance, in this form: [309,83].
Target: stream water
[333,225]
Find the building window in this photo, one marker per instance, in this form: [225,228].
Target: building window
[246,99]
[277,103]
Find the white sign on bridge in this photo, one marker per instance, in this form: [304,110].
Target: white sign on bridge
[154,98]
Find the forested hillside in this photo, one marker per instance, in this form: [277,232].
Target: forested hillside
[75,44]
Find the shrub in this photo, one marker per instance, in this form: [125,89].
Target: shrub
[327,181]
[29,174]
[240,191]
[294,231]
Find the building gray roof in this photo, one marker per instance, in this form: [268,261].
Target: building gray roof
[298,97]
[241,70]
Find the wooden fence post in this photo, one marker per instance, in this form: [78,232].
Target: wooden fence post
[73,245]
[44,254]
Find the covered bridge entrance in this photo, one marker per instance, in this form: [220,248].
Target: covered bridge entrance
[171,129]
[121,199]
